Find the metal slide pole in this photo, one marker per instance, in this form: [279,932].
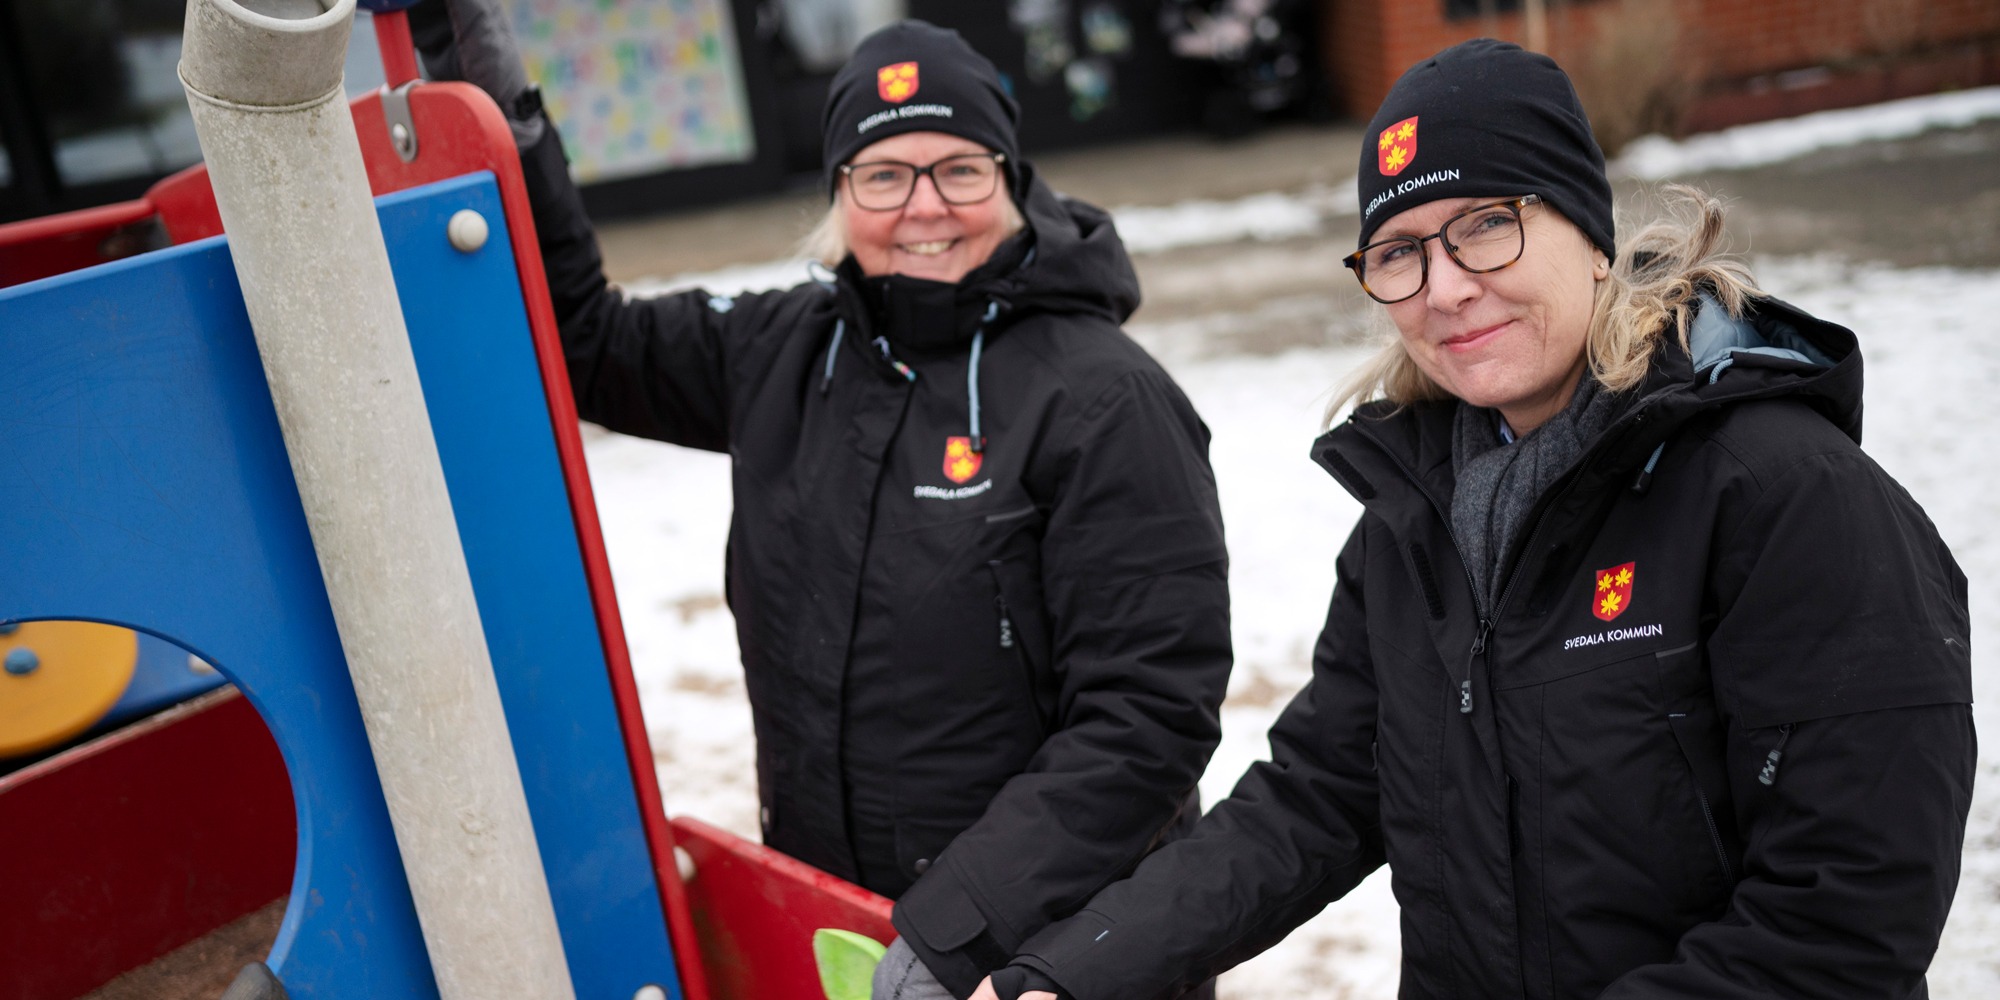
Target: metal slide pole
[263,78]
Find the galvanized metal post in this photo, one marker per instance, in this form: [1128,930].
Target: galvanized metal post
[263,79]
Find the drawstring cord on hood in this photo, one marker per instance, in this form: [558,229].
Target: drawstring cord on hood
[882,344]
[832,352]
[1644,481]
[824,277]
[971,368]
[972,374]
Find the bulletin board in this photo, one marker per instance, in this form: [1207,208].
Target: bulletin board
[640,86]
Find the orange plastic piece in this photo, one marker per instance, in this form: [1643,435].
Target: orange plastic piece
[80,669]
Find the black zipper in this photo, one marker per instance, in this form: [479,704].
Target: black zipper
[1701,797]
[1000,606]
[1471,582]
[1715,836]
[1476,659]
[1006,623]
[1769,774]
[1487,620]
[1010,639]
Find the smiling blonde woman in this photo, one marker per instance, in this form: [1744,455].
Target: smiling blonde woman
[1639,675]
[976,561]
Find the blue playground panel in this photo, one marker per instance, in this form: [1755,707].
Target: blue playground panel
[148,487]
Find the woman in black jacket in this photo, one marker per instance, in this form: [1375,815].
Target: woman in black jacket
[976,561]
[1640,676]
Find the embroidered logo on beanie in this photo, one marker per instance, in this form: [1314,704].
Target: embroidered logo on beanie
[962,95]
[897,82]
[1396,148]
[1504,122]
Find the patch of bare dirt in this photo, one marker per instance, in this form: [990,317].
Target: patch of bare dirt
[203,968]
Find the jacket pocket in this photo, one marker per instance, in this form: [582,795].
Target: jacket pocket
[1698,739]
[1021,629]
[1692,750]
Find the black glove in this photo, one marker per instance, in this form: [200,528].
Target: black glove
[1009,983]
[471,40]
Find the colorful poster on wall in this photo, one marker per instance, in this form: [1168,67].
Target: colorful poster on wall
[638,86]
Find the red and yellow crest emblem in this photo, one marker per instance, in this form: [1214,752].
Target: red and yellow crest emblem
[897,83]
[960,461]
[1396,147]
[1613,593]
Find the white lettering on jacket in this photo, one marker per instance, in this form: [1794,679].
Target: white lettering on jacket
[1616,635]
[961,493]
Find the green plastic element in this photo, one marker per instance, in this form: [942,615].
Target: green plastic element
[846,963]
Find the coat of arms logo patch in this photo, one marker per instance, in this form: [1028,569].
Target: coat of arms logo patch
[1396,147]
[897,82]
[960,461]
[1613,593]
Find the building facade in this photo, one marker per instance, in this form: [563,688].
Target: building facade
[667,103]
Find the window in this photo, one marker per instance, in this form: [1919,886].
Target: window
[823,33]
[101,73]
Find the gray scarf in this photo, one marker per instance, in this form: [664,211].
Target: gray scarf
[1499,483]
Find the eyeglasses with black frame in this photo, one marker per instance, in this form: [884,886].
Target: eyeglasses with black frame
[1481,239]
[886,185]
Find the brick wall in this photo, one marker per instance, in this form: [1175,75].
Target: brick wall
[1754,58]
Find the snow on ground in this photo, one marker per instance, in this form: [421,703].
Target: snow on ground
[731,280]
[1657,158]
[1933,367]
[1273,215]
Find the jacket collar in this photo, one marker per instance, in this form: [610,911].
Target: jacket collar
[1774,350]
[920,316]
[1068,259]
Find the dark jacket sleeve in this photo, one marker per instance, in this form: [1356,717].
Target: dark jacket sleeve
[1299,831]
[1842,645]
[1135,576]
[653,367]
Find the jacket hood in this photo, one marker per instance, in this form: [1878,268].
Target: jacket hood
[1774,350]
[1078,264]
[1067,260]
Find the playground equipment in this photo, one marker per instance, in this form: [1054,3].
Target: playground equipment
[63,679]
[334,455]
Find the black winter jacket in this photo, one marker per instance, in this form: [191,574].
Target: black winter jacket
[1713,739]
[984,683]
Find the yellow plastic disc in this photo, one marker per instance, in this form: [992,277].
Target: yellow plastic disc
[59,679]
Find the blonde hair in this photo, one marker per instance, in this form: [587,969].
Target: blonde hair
[827,243]
[1651,289]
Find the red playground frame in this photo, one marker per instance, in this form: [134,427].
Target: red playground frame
[207,833]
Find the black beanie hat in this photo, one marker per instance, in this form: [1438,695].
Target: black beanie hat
[917,77]
[1484,118]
